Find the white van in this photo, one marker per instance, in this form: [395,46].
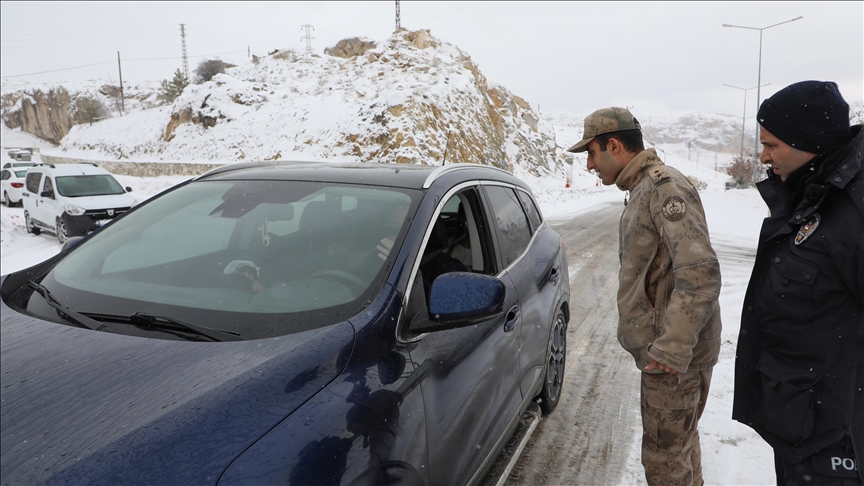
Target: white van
[71,199]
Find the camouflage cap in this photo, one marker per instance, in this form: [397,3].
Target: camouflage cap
[605,120]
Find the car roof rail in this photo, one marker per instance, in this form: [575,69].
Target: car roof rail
[247,165]
[444,169]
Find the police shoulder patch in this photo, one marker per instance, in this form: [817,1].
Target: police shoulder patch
[674,208]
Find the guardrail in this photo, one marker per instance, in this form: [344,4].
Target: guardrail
[137,169]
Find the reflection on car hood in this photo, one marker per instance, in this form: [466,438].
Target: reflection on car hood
[86,407]
[103,202]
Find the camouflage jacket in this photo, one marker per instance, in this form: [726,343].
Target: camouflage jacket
[669,280]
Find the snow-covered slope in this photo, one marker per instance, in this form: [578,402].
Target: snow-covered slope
[410,99]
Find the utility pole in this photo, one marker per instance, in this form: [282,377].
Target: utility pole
[185,56]
[120,70]
[398,19]
[308,37]
[759,76]
[744,116]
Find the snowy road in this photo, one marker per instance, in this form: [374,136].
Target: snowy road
[588,437]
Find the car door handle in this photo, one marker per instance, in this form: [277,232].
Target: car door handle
[554,276]
[512,318]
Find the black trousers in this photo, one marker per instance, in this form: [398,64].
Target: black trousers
[833,466]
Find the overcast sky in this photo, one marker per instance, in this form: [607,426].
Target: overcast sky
[655,57]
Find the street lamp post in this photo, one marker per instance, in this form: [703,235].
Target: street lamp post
[759,79]
[744,116]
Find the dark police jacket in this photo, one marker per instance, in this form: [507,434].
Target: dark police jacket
[799,368]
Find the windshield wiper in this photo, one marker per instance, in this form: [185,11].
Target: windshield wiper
[168,324]
[66,312]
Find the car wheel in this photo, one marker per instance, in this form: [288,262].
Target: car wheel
[62,236]
[555,358]
[29,226]
[6,200]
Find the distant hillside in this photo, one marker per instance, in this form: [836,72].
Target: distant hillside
[411,99]
[709,131]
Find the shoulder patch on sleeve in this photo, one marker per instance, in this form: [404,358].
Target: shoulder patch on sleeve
[674,208]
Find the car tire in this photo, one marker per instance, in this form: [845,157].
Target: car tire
[29,226]
[62,235]
[6,200]
[556,354]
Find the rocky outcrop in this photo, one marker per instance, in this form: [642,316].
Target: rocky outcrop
[49,115]
[50,111]
[348,48]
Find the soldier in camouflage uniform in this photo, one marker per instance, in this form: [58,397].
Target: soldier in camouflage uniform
[669,283]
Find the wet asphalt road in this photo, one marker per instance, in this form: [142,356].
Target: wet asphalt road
[586,440]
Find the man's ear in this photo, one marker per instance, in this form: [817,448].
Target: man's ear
[614,147]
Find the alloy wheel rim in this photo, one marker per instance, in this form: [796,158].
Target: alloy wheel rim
[555,373]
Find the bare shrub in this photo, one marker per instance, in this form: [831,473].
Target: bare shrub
[90,109]
[742,170]
[209,68]
[699,185]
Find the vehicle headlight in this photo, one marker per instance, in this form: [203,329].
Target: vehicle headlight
[73,210]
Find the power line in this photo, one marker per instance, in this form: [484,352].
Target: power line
[6,45]
[436,13]
[57,70]
[88,29]
[92,36]
[111,62]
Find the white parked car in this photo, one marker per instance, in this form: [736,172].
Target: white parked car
[18,165]
[21,154]
[12,185]
[72,199]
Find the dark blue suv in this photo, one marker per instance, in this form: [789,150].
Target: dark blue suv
[299,323]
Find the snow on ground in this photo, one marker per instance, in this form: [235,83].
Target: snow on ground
[732,453]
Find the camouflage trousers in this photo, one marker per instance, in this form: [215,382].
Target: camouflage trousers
[671,408]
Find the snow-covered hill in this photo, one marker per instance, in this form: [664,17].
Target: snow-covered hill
[410,99]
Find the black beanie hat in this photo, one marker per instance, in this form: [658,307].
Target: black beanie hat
[811,116]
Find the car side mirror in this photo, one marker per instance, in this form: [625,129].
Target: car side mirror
[460,299]
[70,242]
[47,194]
[128,189]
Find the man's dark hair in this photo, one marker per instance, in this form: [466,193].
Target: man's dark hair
[630,139]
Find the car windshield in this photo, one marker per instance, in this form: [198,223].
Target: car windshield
[88,185]
[259,258]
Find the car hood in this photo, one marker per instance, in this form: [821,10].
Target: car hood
[103,202]
[87,407]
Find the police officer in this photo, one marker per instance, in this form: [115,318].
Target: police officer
[669,283]
[799,369]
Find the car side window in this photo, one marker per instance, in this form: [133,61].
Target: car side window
[32,182]
[466,235]
[48,189]
[5,175]
[512,228]
[531,210]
